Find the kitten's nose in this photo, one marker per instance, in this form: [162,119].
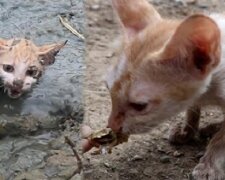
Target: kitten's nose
[18,83]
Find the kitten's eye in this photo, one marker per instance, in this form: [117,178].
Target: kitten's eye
[8,68]
[31,73]
[138,106]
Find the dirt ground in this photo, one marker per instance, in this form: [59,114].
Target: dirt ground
[148,156]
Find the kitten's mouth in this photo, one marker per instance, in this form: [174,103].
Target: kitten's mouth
[14,93]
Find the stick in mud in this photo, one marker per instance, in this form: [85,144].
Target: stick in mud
[79,162]
[65,23]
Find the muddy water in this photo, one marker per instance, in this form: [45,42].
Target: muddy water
[57,97]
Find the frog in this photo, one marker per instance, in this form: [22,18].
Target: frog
[105,139]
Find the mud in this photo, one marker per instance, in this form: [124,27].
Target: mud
[32,128]
[148,156]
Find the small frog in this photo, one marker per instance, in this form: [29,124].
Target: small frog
[105,139]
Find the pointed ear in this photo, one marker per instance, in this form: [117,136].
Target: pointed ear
[4,45]
[47,53]
[3,42]
[135,15]
[195,46]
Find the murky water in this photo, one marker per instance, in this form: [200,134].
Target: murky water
[59,92]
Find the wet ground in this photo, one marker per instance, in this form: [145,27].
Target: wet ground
[32,128]
[144,157]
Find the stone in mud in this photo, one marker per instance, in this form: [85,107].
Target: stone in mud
[67,172]
[95,7]
[148,171]
[178,154]
[165,159]
[35,174]
[27,159]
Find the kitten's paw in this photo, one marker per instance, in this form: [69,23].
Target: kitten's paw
[179,135]
[207,171]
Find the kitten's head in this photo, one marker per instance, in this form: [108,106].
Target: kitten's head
[22,64]
[164,65]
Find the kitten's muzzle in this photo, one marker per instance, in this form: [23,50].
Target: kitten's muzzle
[17,84]
[15,89]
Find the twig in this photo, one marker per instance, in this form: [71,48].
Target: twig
[65,23]
[79,162]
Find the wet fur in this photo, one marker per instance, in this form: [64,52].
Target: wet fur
[24,55]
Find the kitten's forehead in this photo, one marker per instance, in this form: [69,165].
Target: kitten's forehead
[136,52]
[115,72]
[20,42]
[152,39]
[21,51]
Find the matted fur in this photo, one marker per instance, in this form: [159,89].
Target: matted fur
[22,64]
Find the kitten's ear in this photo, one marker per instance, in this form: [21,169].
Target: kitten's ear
[3,42]
[4,45]
[135,15]
[47,53]
[195,46]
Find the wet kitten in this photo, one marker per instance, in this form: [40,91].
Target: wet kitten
[22,64]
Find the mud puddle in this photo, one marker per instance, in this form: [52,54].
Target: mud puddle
[30,126]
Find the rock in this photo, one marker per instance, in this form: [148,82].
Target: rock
[77,177]
[95,7]
[61,159]
[35,174]
[136,158]
[67,172]
[51,171]
[165,159]
[27,159]
[109,19]
[110,55]
[148,171]
[185,2]
[106,164]
[177,154]
[133,171]
[161,149]
[204,3]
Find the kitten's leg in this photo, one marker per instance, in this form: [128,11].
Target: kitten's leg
[181,135]
[212,164]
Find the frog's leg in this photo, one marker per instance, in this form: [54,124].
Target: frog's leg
[111,145]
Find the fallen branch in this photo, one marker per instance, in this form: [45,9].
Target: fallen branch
[79,162]
[65,23]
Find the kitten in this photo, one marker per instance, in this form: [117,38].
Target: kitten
[165,67]
[22,64]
